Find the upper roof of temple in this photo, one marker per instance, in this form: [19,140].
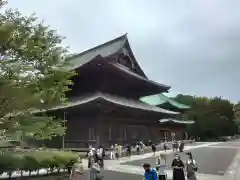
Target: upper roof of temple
[113,69]
[110,48]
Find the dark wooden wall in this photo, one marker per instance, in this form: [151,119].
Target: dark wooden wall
[101,130]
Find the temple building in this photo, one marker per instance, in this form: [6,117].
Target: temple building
[104,104]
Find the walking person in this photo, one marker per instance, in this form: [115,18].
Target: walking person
[191,167]
[150,173]
[181,146]
[178,166]
[161,167]
[165,146]
[78,172]
[164,158]
[91,156]
[174,145]
[150,143]
[100,156]
[141,146]
[138,149]
[95,172]
[116,150]
[128,150]
[154,149]
[112,153]
[120,149]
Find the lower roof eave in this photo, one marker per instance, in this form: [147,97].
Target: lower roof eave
[112,99]
[169,120]
[120,67]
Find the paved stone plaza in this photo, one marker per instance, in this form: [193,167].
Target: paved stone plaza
[217,161]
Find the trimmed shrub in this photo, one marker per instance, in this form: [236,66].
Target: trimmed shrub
[35,160]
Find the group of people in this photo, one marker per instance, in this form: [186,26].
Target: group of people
[95,163]
[140,147]
[178,167]
[78,171]
[118,151]
[177,146]
[95,156]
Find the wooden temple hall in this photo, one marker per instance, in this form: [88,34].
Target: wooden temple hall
[111,101]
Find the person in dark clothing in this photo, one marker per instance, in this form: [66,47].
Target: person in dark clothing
[178,166]
[150,143]
[175,146]
[181,146]
[138,149]
[129,151]
[165,146]
[100,156]
[154,149]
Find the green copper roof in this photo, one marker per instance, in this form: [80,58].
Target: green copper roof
[159,99]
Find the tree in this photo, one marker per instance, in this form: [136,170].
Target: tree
[34,76]
[236,110]
[213,117]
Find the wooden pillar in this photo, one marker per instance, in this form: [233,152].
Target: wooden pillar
[125,133]
[98,135]
[98,131]
[89,133]
[109,133]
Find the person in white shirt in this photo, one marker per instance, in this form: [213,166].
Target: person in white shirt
[191,167]
[141,146]
[112,153]
[161,167]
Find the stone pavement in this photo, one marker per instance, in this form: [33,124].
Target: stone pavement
[233,172]
[215,153]
[119,166]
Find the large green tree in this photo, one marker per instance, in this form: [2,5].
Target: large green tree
[33,76]
[236,110]
[214,117]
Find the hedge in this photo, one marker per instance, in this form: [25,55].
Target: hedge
[35,160]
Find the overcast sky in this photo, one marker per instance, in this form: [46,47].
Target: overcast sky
[192,45]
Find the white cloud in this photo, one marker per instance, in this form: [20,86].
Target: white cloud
[191,45]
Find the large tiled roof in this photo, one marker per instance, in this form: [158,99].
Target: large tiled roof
[160,99]
[115,100]
[110,48]
[106,49]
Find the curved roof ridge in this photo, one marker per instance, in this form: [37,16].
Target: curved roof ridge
[123,37]
[104,50]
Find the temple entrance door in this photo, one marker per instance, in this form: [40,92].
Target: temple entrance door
[173,134]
